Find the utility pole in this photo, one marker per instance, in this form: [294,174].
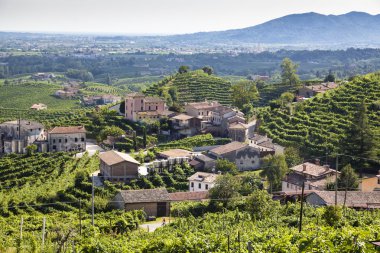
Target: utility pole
[43,232]
[301,211]
[92,201]
[80,217]
[336,180]
[21,224]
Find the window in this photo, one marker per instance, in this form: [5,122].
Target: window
[287,185]
[142,101]
[59,140]
[200,186]
[65,140]
[192,184]
[156,107]
[82,139]
[31,130]
[76,139]
[206,186]
[53,140]
[149,108]
[142,109]
[54,147]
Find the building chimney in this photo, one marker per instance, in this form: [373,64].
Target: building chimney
[317,162]
[303,167]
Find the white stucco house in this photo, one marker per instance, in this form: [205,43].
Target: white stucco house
[202,181]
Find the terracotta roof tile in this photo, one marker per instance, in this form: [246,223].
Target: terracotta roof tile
[114,157]
[145,196]
[172,153]
[182,117]
[233,146]
[312,169]
[183,196]
[68,130]
[203,177]
[353,198]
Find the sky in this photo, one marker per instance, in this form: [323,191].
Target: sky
[159,16]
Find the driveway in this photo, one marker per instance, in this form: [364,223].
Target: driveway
[91,148]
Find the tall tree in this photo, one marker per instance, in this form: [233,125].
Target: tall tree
[360,140]
[244,92]
[223,165]
[144,136]
[348,179]
[330,77]
[225,189]
[292,156]
[183,69]
[208,70]
[289,73]
[275,168]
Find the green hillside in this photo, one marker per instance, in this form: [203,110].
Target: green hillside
[322,122]
[194,86]
[22,95]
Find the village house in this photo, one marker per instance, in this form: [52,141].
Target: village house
[168,159]
[202,181]
[64,94]
[38,107]
[117,166]
[185,125]
[43,76]
[201,110]
[16,135]
[265,145]
[313,175]
[203,163]
[70,90]
[154,202]
[241,132]
[100,100]
[244,156]
[72,138]
[313,90]
[352,199]
[369,184]
[140,107]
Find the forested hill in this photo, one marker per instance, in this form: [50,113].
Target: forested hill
[194,86]
[329,121]
[353,28]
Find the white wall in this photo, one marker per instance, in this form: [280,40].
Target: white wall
[202,187]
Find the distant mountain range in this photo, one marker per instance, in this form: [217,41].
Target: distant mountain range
[309,28]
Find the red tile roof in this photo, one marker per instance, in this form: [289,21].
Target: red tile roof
[183,196]
[68,130]
[233,146]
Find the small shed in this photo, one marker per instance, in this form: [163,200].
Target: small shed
[118,166]
[155,202]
